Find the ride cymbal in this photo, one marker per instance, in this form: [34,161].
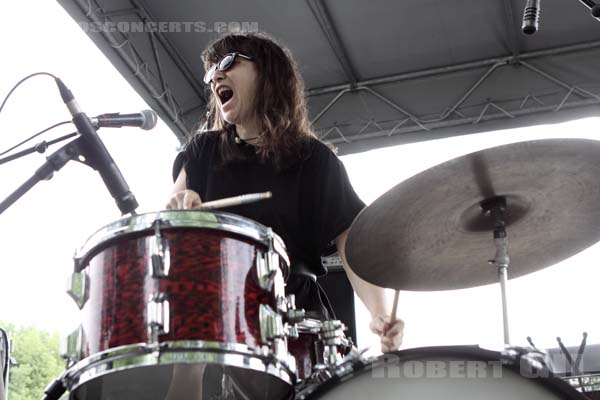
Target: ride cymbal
[430,232]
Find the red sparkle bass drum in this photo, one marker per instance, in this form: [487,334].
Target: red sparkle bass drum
[169,298]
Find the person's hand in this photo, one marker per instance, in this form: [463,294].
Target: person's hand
[184,199]
[391,334]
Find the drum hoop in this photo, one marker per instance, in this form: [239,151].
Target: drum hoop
[175,352]
[346,372]
[143,223]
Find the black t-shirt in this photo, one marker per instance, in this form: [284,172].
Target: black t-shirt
[313,200]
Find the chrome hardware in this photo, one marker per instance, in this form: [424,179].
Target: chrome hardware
[143,223]
[331,355]
[273,333]
[295,316]
[286,306]
[291,301]
[531,361]
[158,315]
[262,351]
[310,325]
[332,332]
[267,264]
[145,355]
[292,314]
[271,324]
[292,331]
[332,335]
[282,303]
[266,269]
[159,253]
[77,288]
[322,373]
[70,346]
[280,351]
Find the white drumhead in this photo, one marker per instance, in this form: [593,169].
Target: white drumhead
[461,376]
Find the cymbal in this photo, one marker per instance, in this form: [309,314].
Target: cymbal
[430,233]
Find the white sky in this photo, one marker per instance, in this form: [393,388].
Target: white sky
[39,233]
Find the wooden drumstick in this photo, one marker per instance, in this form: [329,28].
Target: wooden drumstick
[394,307]
[235,201]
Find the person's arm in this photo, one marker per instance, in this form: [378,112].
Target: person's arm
[373,296]
[180,183]
[376,300]
[181,196]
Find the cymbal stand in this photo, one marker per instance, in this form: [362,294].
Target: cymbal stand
[495,208]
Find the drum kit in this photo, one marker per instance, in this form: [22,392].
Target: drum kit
[191,304]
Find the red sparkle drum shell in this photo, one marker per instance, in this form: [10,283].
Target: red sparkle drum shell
[304,349]
[210,282]
[308,348]
[211,287]
[449,372]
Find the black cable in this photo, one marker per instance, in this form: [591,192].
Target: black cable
[327,303]
[19,83]
[34,136]
[12,91]
[6,355]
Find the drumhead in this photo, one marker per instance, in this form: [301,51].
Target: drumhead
[169,219]
[439,373]
[199,381]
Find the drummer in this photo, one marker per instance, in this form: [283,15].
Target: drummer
[257,137]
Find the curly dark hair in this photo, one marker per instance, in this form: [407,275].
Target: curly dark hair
[279,103]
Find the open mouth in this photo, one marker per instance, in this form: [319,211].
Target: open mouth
[225,94]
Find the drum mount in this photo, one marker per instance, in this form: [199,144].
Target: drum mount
[495,208]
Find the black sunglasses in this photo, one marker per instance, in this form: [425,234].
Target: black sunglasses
[223,65]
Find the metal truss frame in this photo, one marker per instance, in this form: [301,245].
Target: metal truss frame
[149,72]
[410,122]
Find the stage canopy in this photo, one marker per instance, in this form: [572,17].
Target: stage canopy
[378,73]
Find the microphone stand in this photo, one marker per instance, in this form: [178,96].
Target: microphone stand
[41,147]
[53,163]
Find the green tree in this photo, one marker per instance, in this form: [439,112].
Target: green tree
[39,363]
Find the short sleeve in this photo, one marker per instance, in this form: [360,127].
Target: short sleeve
[179,163]
[337,204]
[196,158]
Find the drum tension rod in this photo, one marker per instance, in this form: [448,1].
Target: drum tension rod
[495,207]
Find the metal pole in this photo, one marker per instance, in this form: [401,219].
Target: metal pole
[503,277]
[7,344]
[8,365]
[2,385]
[495,208]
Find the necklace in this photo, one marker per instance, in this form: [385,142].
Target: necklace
[239,140]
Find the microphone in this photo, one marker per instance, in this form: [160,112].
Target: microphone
[145,119]
[97,156]
[531,17]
